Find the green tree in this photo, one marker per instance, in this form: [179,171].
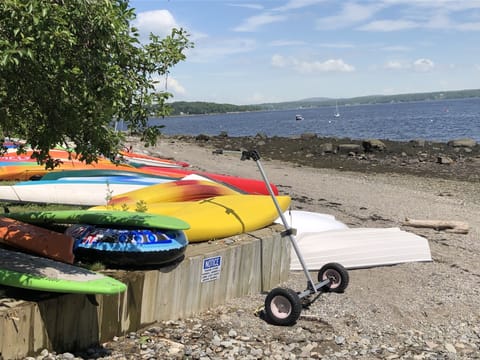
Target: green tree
[69,68]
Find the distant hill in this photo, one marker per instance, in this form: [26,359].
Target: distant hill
[191,108]
[199,107]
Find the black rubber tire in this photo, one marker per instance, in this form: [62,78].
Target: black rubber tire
[282,307]
[337,275]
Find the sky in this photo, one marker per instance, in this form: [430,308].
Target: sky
[251,52]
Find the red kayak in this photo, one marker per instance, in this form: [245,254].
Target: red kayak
[251,186]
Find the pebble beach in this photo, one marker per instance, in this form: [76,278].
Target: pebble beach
[421,310]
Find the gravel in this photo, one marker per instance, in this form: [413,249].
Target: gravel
[408,311]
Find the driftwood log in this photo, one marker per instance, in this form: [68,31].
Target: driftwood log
[457,227]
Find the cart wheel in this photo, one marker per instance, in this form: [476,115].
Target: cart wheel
[282,306]
[337,275]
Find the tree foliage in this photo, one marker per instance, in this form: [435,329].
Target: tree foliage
[199,107]
[69,68]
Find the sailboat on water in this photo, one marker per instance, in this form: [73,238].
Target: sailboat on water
[336,113]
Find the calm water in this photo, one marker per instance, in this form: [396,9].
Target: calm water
[433,120]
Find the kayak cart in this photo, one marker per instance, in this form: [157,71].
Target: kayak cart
[283,305]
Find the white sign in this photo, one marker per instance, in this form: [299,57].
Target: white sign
[211,268]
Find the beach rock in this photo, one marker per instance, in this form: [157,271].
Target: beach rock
[444,160]
[347,148]
[307,136]
[468,143]
[418,142]
[326,148]
[261,135]
[202,137]
[373,145]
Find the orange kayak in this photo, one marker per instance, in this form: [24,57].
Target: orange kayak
[37,240]
[27,172]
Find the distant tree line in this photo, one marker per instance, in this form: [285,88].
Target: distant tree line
[194,108]
[198,107]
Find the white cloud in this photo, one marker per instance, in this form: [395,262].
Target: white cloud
[254,22]
[469,26]
[297,4]
[287,43]
[247,6]
[331,65]
[420,65]
[395,65]
[172,85]
[279,61]
[337,45]
[351,13]
[389,25]
[158,22]
[302,66]
[423,65]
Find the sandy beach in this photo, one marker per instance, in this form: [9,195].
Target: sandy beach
[409,311]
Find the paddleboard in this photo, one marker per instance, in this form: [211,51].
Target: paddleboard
[38,240]
[109,218]
[37,273]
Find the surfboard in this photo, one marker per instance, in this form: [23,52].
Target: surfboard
[108,218]
[36,239]
[26,271]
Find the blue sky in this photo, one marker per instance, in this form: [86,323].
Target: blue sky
[249,52]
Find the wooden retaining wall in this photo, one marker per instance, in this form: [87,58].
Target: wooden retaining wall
[244,265]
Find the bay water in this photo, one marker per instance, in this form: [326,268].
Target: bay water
[441,120]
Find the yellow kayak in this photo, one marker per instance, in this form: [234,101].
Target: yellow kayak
[222,216]
[181,190]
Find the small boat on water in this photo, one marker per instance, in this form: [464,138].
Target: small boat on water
[336,113]
[298,117]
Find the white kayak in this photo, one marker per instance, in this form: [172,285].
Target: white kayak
[360,248]
[83,191]
[323,239]
[307,221]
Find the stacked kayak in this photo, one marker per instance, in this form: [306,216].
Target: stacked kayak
[251,186]
[177,205]
[85,191]
[31,170]
[220,216]
[116,237]
[138,160]
[23,167]
[181,190]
